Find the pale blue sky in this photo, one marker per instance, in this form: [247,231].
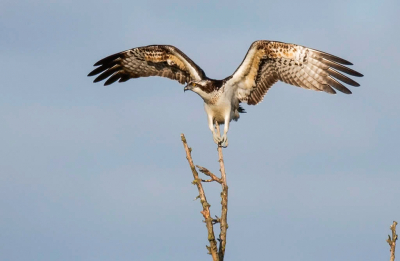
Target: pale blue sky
[89,172]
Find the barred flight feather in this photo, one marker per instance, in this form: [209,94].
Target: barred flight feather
[293,64]
[153,60]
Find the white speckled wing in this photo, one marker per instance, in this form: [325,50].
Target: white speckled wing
[266,62]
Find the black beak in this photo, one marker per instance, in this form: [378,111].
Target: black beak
[187,87]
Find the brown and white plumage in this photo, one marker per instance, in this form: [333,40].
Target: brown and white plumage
[265,63]
[154,60]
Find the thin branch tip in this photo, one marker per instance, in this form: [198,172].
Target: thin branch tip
[392,240]
[210,174]
[183,137]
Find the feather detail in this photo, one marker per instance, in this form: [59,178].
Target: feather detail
[153,60]
[266,62]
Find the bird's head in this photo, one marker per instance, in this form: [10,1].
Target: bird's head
[204,88]
[196,86]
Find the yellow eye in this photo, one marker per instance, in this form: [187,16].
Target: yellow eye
[193,84]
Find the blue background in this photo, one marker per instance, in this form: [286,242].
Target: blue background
[89,172]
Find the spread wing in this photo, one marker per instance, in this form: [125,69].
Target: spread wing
[266,62]
[153,60]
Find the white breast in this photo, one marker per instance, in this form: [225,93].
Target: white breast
[220,107]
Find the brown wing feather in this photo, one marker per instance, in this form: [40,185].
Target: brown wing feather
[265,79]
[266,62]
[153,60]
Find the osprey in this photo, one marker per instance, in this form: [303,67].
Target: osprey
[265,63]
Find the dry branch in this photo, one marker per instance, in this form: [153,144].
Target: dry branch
[213,250]
[224,203]
[217,253]
[392,240]
[210,174]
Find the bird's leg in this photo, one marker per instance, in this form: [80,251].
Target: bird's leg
[216,137]
[224,138]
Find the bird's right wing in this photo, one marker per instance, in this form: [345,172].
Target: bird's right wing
[153,60]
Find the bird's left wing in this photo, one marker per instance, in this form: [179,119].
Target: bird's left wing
[153,60]
[266,62]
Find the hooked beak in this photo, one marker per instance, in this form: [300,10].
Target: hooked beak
[187,87]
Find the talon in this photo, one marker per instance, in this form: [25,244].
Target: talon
[217,139]
[224,141]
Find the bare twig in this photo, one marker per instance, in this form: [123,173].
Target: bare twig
[392,240]
[224,203]
[213,250]
[217,254]
[210,174]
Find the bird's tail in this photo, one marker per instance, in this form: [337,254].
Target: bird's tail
[241,110]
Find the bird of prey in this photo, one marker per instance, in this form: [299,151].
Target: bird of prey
[265,63]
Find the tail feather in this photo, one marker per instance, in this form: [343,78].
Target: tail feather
[241,110]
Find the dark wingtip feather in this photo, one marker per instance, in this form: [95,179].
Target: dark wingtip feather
[331,57]
[342,78]
[353,73]
[328,89]
[115,77]
[337,85]
[99,62]
[124,78]
[98,70]
[108,59]
[103,76]
[340,67]
[107,73]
